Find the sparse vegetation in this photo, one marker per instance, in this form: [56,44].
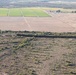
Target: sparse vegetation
[20,55]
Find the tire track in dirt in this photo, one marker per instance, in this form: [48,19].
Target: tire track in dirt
[57,55]
[25,20]
[62,19]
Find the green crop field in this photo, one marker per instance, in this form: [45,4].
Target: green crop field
[26,12]
[15,12]
[40,12]
[3,12]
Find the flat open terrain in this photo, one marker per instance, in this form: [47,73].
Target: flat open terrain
[3,12]
[27,12]
[58,22]
[61,9]
[37,19]
[36,56]
[31,12]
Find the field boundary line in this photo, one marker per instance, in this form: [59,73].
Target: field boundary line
[35,13]
[74,29]
[47,36]
[68,24]
[8,12]
[25,20]
[45,12]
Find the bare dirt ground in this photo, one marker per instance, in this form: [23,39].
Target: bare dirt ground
[37,56]
[13,23]
[58,22]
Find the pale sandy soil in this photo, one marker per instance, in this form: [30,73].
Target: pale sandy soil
[58,22]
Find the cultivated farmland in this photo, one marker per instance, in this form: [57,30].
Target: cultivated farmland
[3,12]
[23,51]
[58,22]
[14,12]
[38,19]
[27,12]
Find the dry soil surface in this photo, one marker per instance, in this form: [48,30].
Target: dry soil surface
[58,22]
